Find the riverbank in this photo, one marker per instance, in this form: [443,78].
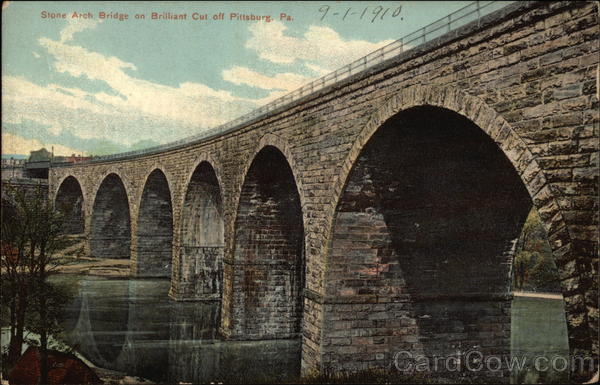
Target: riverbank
[108,377]
[533,294]
[95,266]
[112,377]
[71,259]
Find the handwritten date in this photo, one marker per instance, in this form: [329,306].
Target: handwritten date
[367,13]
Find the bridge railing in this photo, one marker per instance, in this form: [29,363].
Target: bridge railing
[470,13]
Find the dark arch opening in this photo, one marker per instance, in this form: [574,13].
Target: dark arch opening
[110,235]
[423,240]
[202,238]
[155,228]
[269,250]
[69,202]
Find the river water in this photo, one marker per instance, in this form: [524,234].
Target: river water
[132,326]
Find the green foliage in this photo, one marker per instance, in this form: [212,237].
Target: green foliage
[544,276]
[533,265]
[522,267]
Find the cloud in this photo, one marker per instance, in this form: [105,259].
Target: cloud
[283,81]
[99,115]
[14,144]
[320,49]
[190,104]
[134,108]
[131,108]
[77,25]
[320,71]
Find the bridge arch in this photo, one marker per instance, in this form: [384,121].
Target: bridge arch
[201,235]
[69,200]
[282,146]
[154,242]
[266,267]
[402,212]
[110,226]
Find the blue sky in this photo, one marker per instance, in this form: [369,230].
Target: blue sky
[101,86]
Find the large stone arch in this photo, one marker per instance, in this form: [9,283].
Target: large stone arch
[169,178]
[154,227]
[110,220]
[282,146]
[528,169]
[214,163]
[82,184]
[264,270]
[69,200]
[121,173]
[200,247]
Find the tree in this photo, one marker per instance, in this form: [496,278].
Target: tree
[533,264]
[31,233]
[544,275]
[522,266]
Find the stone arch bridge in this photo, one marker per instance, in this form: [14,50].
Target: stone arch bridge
[378,214]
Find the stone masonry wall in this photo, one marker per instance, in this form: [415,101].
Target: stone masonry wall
[526,76]
[110,233]
[155,229]
[267,264]
[422,244]
[201,248]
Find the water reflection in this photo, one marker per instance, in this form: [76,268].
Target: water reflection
[133,327]
[539,329]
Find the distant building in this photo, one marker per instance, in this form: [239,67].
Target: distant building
[13,162]
[12,168]
[37,165]
[77,158]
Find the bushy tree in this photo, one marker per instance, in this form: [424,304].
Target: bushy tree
[31,233]
[544,275]
[533,266]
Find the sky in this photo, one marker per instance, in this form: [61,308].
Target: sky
[97,86]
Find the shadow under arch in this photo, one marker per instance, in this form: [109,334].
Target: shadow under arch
[155,228]
[423,239]
[110,229]
[573,270]
[268,258]
[201,237]
[69,202]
